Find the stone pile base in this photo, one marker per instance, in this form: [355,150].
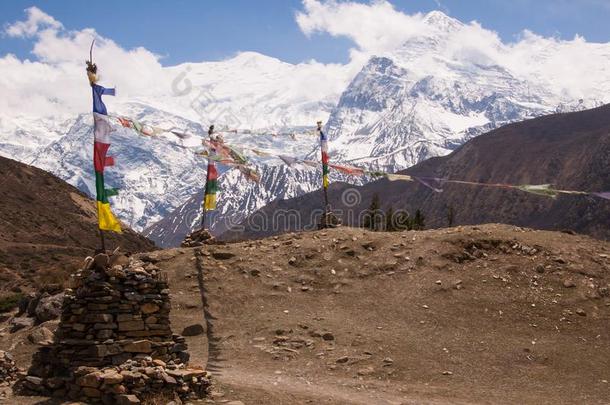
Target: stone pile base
[329,220]
[123,384]
[198,238]
[8,373]
[114,339]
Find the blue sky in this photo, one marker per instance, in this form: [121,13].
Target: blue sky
[196,30]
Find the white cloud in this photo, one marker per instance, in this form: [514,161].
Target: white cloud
[54,82]
[36,20]
[374,27]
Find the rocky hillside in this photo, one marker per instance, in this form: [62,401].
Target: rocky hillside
[570,150]
[48,226]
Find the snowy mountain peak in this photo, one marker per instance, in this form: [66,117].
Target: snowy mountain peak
[442,21]
[250,58]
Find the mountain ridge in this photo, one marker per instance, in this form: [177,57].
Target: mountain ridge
[571,150]
[48,227]
[422,99]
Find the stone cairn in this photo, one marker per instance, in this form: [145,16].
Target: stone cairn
[8,373]
[198,238]
[329,220]
[114,342]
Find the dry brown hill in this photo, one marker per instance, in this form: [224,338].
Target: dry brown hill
[492,314]
[47,227]
[571,151]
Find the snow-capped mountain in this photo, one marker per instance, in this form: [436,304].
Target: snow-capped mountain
[251,91]
[426,98]
[157,175]
[237,199]
[422,99]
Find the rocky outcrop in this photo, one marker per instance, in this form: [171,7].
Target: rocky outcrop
[114,338]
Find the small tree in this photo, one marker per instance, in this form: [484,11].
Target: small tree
[450,215]
[418,221]
[372,217]
[390,225]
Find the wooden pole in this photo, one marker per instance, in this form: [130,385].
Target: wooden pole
[325,190]
[103,241]
[204,212]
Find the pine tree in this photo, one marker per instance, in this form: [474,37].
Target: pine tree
[450,215]
[419,221]
[371,217]
[390,225]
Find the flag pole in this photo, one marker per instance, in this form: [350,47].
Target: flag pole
[103,241]
[324,154]
[91,75]
[204,212]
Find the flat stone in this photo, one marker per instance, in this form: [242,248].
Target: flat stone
[159,363]
[328,336]
[102,326]
[90,380]
[34,380]
[92,392]
[101,261]
[149,308]
[104,334]
[105,350]
[79,327]
[168,379]
[366,371]
[223,255]
[112,377]
[569,283]
[131,325]
[41,336]
[140,346]
[97,318]
[20,323]
[193,330]
[131,375]
[127,400]
[118,389]
[151,320]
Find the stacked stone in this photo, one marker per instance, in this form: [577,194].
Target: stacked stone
[8,369]
[114,338]
[198,238]
[329,220]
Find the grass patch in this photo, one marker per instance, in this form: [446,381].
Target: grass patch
[9,301]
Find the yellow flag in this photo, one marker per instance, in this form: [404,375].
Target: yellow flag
[107,220]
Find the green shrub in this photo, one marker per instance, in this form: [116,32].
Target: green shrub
[10,301]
